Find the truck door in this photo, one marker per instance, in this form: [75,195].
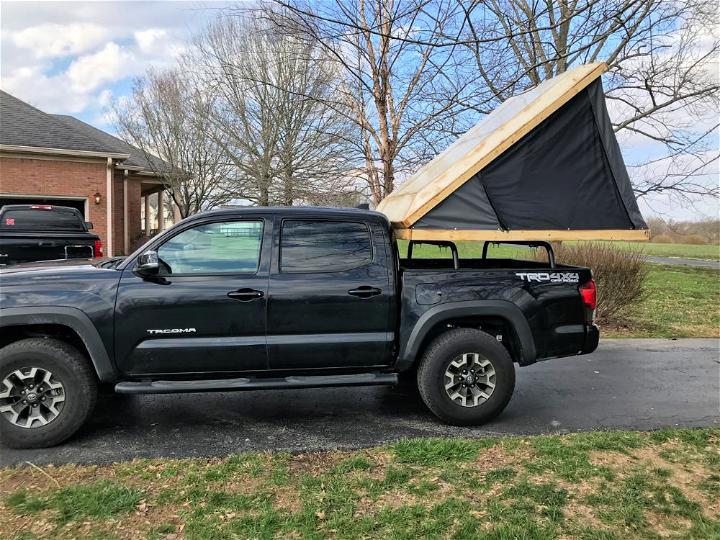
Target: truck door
[330,296]
[205,310]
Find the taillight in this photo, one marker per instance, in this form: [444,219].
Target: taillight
[41,207]
[588,292]
[98,248]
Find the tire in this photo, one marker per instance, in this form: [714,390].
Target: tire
[466,346]
[72,377]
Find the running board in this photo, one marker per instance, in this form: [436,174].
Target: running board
[255,383]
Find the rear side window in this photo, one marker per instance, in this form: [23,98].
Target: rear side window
[29,219]
[324,246]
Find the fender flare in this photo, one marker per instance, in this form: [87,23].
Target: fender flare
[485,308]
[74,319]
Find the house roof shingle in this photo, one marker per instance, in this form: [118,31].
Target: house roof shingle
[21,124]
[137,158]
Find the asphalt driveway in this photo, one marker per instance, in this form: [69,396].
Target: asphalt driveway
[698,263]
[627,384]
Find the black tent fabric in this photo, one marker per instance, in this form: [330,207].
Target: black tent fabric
[566,174]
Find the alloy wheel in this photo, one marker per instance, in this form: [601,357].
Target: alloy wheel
[470,379]
[31,397]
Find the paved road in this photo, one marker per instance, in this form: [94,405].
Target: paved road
[700,263]
[626,384]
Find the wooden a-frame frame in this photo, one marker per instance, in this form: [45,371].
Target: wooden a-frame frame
[477,148]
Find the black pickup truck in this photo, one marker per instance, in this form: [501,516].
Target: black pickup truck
[272,298]
[43,232]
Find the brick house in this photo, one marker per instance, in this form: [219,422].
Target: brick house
[57,159]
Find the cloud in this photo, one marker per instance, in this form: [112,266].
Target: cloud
[148,39]
[72,57]
[109,64]
[51,94]
[59,40]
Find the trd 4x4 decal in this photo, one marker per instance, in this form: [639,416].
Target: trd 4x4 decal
[552,277]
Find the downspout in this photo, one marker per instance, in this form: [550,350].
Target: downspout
[108,206]
[126,238]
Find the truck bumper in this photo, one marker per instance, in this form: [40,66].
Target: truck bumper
[592,337]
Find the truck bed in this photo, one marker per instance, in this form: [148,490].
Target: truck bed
[546,297]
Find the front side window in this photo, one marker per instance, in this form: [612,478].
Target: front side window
[324,246]
[223,247]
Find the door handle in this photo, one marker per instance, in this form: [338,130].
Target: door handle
[245,295]
[365,291]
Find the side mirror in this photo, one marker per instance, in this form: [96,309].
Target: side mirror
[88,225]
[148,264]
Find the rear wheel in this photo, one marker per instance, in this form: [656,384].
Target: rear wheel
[47,391]
[466,377]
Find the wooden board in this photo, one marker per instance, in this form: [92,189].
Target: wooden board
[514,236]
[492,136]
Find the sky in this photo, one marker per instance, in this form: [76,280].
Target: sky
[77,57]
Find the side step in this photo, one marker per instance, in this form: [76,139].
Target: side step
[255,383]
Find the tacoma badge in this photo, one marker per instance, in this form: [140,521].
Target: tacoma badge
[173,331]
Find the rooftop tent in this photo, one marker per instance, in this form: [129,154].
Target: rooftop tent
[544,165]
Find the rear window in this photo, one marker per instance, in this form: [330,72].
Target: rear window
[29,219]
[324,246]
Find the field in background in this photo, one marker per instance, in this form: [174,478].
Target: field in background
[685,251]
[593,485]
[474,250]
[681,301]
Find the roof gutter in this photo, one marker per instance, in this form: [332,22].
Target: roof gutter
[61,152]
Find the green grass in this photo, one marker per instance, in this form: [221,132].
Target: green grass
[101,499]
[474,250]
[681,301]
[686,251]
[595,485]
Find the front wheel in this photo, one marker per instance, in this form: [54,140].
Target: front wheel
[47,391]
[466,377]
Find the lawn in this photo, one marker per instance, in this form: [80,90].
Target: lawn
[681,301]
[474,249]
[687,251]
[593,485]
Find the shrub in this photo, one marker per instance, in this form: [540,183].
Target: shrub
[694,239]
[619,274]
[662,239]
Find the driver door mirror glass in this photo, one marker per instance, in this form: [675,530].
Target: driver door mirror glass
[147,263]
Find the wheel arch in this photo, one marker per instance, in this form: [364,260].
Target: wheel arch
[496,314]
[43,320]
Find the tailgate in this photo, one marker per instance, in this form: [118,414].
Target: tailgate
[25,247]
[562,317]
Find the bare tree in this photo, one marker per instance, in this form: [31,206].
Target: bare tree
[273,112]
[398,91]
[400,54]
[168,120]
[662,86]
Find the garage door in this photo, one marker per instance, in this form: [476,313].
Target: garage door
[72,203]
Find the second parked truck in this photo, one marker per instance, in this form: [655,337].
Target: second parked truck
[269,298]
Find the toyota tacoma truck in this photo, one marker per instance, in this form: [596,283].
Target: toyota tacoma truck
[44,232]
[274,298]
